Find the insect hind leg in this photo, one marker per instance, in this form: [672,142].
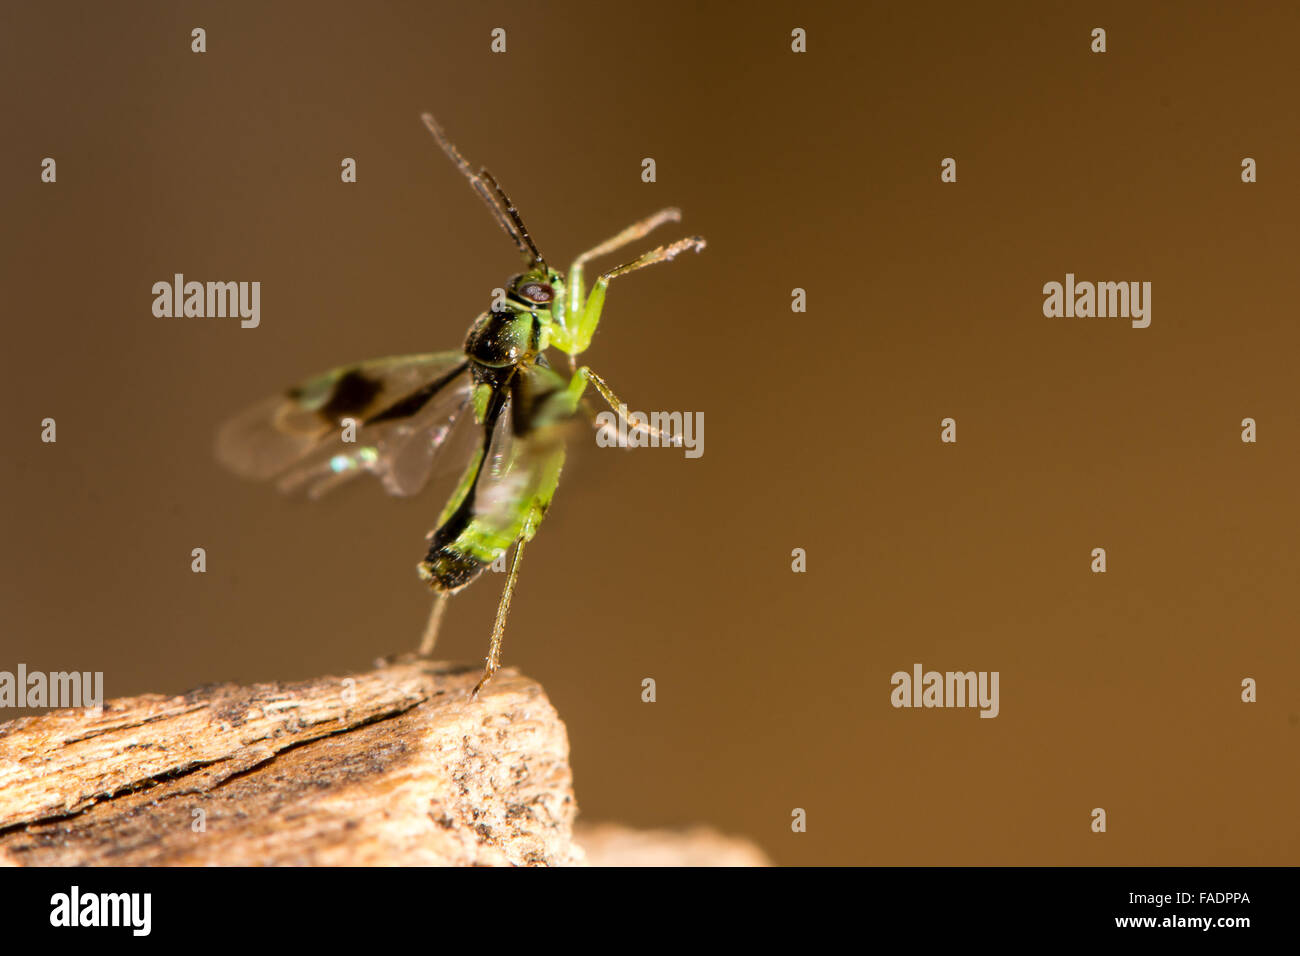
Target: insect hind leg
[435,621]
[499,627]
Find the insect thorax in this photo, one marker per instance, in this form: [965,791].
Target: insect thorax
[517,324]
[500,339]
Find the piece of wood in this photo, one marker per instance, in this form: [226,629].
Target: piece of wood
[609,844]
[393,766]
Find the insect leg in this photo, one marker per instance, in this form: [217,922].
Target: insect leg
[499,628]
[572,398]
[638,230]
[620,407]
[589,316]
[435,621]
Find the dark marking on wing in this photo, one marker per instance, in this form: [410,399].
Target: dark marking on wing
[408,406]
[351,394]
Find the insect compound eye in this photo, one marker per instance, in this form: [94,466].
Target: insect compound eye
[537,292]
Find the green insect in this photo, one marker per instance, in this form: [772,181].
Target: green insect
[390,417]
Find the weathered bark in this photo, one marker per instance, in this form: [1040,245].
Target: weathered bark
[391,766]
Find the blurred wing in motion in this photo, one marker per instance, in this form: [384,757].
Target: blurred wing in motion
[402,408]
[525,455]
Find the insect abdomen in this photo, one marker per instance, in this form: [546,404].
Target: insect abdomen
[449,568]
[457,555]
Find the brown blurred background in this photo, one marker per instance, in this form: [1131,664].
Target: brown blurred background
[818,171]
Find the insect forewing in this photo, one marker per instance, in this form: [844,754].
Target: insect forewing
[522,468]
[402,410]
[498,456]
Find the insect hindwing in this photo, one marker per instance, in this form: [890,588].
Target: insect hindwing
[401,411]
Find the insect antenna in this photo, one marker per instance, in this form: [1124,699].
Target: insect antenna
[513,213]
[503,210]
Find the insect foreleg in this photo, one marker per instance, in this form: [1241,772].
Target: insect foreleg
[638,230]
[585,319]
